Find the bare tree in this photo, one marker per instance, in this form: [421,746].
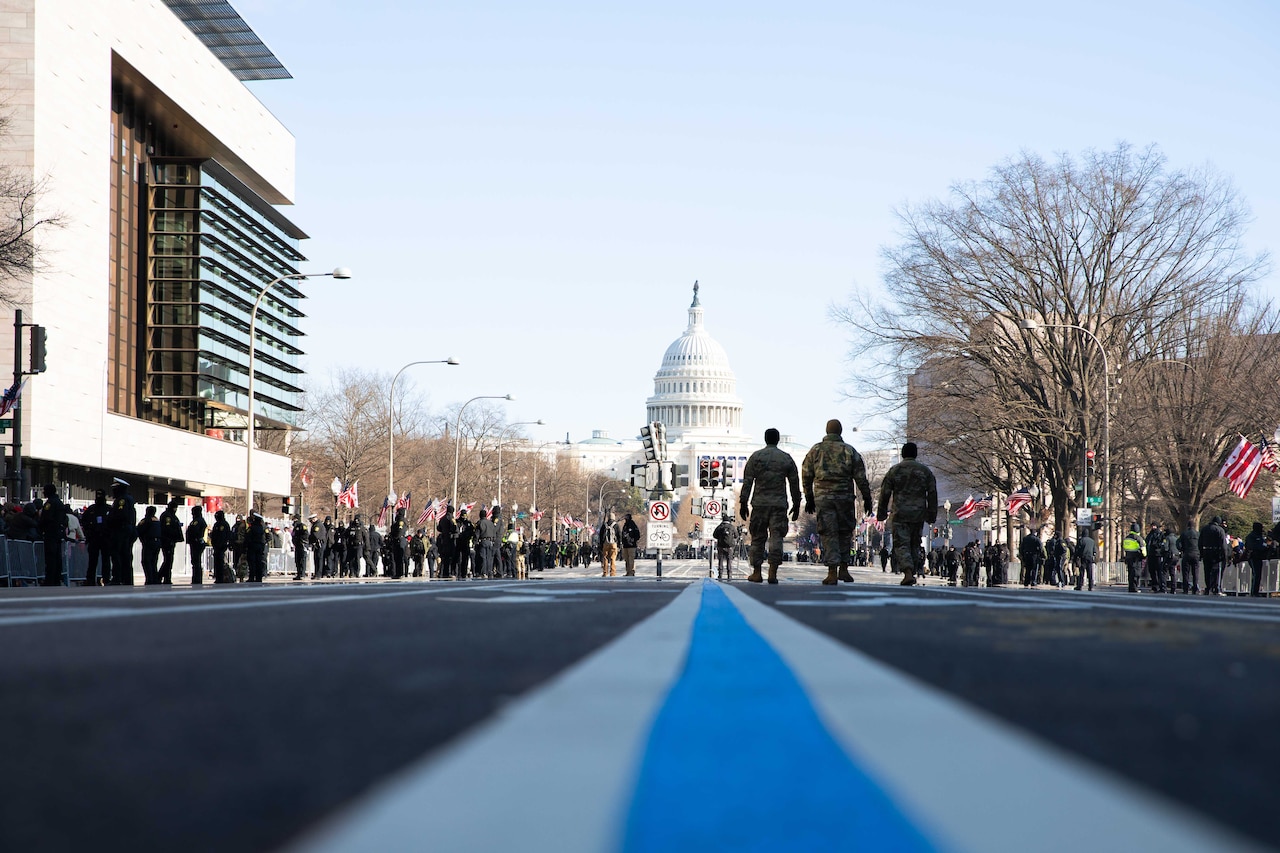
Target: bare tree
[20,220]
[1114,244]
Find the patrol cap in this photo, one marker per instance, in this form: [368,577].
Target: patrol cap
[313,515]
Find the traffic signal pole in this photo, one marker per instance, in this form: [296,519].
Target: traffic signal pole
[15,472]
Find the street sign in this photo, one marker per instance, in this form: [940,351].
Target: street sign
[1275,506]
[659,511]
[6,424]
[660,536]
[711,508]
[1095,500]
[1084,517]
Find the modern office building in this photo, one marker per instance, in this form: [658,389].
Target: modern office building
[168,175]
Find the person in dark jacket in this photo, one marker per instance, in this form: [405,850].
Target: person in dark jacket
[315,542]
[398,539]
[1189,545]
[433,554]
[1087,554]
[195,538]
[1214,549]
[220,538]
[122,521]
[1155,558]
[150,534]
[256,548]
[356,541]
[53,532]
[97,540]
[299,538]
[374,554]
[446,534]
[170,535]
[466,535]
[1257,552]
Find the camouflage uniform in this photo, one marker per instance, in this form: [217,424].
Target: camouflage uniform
[830,471]
[914,492]
[768,474]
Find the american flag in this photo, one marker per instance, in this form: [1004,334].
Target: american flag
[1242,467]
[382,513]
[350,496]
[404,501]
[429,512]
[1270,460]
[1019,499]
[10,398]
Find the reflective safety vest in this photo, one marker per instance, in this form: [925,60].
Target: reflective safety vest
[1133,543]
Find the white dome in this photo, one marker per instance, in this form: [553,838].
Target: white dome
[695,389]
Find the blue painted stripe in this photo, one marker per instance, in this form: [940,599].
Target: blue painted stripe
[738,759]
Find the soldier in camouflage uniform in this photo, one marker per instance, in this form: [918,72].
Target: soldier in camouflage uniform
[914,492]
[830,471]
[769,471]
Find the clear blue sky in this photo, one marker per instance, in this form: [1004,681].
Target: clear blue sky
[532,188]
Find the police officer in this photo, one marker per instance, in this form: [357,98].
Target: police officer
[830,471]
[299,537]
[122,522]
[170,535]
[486,545]
[399,540]
[315,542]
[466,534]
[1134,549]
[1032,555]
[220,538]
[1156,558]
[912,488]
[446,543]
[1257,552]
[53,531]
[194,536]
[150,534]
[768,474]
[356,541]
[97,539]
[256,548]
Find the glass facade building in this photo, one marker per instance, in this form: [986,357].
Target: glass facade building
[212,245]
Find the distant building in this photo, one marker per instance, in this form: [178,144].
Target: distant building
[168,173]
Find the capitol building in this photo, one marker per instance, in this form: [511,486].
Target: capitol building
[695,397]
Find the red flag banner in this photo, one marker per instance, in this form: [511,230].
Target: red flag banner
[1242,467]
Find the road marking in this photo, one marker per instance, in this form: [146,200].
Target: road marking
[1209,609]
[980,784]
[518,782]
[737,725]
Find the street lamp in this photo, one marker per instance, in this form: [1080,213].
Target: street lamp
[339,273]
[538,422]
[600,496]
[336,488]
[457,440]
[391,423]
[946,531]
[1029,324]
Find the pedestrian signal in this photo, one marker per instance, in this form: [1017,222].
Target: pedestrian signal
[288,505]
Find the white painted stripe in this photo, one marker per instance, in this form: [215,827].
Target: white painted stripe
[77,614]
[972,780]
[1208,609]
[551,772]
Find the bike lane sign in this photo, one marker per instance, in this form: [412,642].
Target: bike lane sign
[660,536]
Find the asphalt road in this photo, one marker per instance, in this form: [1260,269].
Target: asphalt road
[238,718]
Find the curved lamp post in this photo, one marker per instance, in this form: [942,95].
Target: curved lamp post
[391,423]
[1031,325]
[457,440]
[339,273]
[538,422]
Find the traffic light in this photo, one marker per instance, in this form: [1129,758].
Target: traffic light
[717,472]
[660,439]
[37,349]
[647,439]
[704,472]
[1088,466]
[288,505]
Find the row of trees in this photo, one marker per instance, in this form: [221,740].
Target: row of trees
[1014,301]
[345,433]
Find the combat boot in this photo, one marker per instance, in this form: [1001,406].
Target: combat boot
[773,573]
[908,579]
[754,577]
[844,574]
[830,579]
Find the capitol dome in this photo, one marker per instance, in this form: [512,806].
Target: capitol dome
[695,390]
